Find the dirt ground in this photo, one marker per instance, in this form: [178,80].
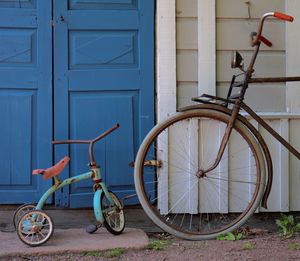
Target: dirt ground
[261,245]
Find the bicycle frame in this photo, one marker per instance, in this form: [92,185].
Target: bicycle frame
[237,103]
[99,188]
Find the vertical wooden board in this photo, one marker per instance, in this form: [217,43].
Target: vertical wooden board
[294,163]
[5,139]
[293,56]
[239,162]
[163,173]
[183,164]
[106,63]
[193,162]
[22,108]
[207,47]
[212,192]
[284,167]
[112,149]
[274,147]
[166,58]
[26,98]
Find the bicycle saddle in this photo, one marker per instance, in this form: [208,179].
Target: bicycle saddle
[54,170]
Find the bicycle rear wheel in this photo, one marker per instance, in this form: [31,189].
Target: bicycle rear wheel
[174,189]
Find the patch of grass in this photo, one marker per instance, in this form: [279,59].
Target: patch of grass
[93,254]
[294,246]
[156,244]
[249,246]
[114,253]
[230,236]
[287,226]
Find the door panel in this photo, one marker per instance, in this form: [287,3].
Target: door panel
[25,98]
[104,74]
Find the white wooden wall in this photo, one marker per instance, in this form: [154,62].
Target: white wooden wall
[285,193]
[185,68]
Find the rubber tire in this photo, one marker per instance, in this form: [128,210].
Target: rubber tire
[139,164]
[106,222]
[21,235]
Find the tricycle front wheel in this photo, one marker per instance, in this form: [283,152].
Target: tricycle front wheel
[114,219]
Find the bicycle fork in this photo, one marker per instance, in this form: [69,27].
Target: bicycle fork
[99,188]
[225,139]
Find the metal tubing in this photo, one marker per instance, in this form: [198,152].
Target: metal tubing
[97,206]
[57,186]
[271,130]
[257,135]
[274,79]
[225,138]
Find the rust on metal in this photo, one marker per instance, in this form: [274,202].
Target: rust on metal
[274,79]
[271,131]
[90,142]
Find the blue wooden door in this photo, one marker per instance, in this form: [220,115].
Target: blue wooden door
[25,98]
[104,74]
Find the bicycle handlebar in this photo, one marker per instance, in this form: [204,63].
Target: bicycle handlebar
[257,37]
[90,142]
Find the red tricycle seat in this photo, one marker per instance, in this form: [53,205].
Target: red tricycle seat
[54,170]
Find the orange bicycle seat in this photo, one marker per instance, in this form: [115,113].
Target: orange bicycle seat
[54,170]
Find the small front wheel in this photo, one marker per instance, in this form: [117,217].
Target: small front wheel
[35,228]
[114,219]
[20,211]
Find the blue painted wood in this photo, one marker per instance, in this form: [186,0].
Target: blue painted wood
[25,98]
[104,74]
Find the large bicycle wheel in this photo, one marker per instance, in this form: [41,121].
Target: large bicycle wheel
[114,219]
[173,184]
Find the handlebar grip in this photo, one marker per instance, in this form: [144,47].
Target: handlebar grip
[284,17]
[265,41]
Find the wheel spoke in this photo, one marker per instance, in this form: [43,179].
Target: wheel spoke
[180,199]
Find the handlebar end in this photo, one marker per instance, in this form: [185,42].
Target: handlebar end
[284,17]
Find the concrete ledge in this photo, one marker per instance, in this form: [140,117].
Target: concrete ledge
[73,240]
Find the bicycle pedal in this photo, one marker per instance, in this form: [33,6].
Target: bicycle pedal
[91,229]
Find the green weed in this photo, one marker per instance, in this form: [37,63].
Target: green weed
[156,244]
[287,226]
[93,254]
[294,246]
[230,236]
[249,246]
[114,253]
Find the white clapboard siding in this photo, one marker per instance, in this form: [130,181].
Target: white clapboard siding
[239,9]
[269,64]
[261,96]
[219,195]
[187,51]
[233,28]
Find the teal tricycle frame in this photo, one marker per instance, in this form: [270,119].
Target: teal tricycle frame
[34,227]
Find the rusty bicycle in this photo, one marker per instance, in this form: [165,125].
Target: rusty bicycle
[205,170]
[35,227]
